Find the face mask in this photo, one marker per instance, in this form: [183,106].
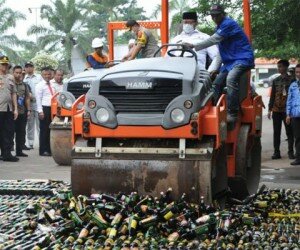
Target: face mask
[188,28]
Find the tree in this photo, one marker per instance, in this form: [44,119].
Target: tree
[104,11]
[276,28]
[275,25]
[8,20]
[67,26]
[176,9]
[206,25]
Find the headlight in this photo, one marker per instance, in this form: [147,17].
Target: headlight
[177,115]
[102,115]
[68,103]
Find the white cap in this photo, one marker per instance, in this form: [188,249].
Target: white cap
[131,41]
[97,42]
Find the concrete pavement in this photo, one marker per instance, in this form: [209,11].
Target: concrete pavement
[275,173]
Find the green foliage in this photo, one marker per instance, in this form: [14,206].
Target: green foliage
[66,26]
[177,7]
[104,11]
[275,24]
[43,59]
[276,28]
[8,20]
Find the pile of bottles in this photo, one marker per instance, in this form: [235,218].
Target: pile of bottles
[269,219]
[31,187]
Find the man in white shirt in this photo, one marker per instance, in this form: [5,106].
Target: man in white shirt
[189,34]
[44,92]
[57,81]
[32,79]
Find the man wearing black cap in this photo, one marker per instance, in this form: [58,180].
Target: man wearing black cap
[236,54]
[191,35]
[33,124]
[146,42]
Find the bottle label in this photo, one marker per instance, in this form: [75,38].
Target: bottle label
[84,233]
[70,239]
[124,229]
[168,215]
[117,219]
[147,220]
[133,223]
[202,219]
[112,233]
[173,237]
[109,242]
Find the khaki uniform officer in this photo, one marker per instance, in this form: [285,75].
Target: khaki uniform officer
[8,110]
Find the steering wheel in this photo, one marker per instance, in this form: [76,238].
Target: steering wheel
[183,49]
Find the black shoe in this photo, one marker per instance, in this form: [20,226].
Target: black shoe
[45,154]
[231,120]
[22,154]
[292,156]
[296,162]
[276,156]
[11,159]
[25,147]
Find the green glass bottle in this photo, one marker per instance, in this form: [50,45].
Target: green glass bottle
[133,224]
[75,218]
[98,219]
[118,218]
[209,218]
[85,231]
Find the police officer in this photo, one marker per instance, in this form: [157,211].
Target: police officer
[146,42]
[8,110]
[23,100]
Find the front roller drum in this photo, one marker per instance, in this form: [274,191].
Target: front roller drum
[146,177]
[196,178]
[61,145]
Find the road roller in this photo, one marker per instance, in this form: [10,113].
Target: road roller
[151,124]
[61,103]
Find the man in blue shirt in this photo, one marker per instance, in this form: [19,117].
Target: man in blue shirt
[236,54]
[293,112]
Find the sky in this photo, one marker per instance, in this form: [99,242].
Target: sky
[31,18]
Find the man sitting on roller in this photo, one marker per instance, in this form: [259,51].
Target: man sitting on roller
[236,54]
